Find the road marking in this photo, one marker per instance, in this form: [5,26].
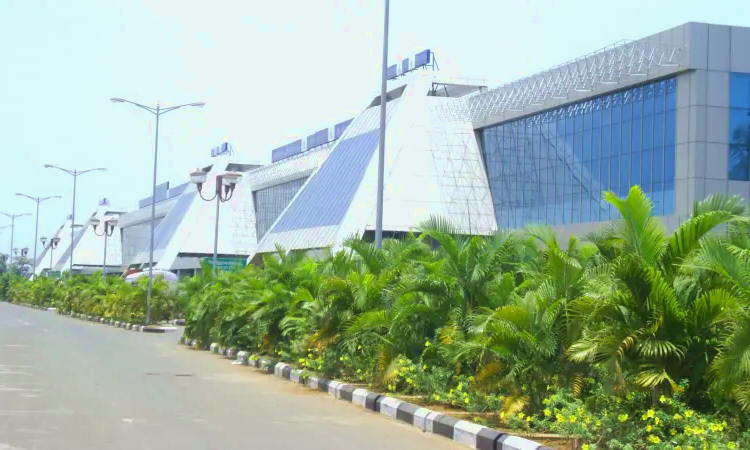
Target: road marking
[15,345]
[23,322]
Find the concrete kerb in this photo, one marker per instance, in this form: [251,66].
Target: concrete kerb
[468,433]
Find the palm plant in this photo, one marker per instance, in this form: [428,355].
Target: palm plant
[641,317]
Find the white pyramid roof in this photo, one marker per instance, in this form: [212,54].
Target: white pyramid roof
[432,167]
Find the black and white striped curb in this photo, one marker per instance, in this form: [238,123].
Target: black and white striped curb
[462,431]
[125,325]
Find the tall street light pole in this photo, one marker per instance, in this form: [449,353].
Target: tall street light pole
[13,229]
[228,181]
[158,111]
[109,229]
[38,200]
[74,173]
[381,150]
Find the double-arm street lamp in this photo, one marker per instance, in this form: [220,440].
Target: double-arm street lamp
[158,111]
[13,228]
[38,200]
[74,173]
[52,246]
[224,182]
[109,229]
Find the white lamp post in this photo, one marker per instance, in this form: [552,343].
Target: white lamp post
[225,182]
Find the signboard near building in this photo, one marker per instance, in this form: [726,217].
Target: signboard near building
[228,264]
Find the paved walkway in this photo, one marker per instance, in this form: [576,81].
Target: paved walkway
[67,384]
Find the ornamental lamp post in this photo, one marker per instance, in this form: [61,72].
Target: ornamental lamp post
[225,183]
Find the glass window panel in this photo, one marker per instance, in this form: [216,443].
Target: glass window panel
[616,138]
[671,94]
[606,141]
[552,167]
[647,133]
[616,117]
[739,90]
[657,171]
[637,104]
[648,101]
[586,145]
[614,173]
[627,111]
[596,145]
[646,169]
[659,97]
[604,174]
[739,145]
[658,131]
[625,172]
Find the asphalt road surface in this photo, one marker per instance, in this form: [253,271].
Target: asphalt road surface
[69,384]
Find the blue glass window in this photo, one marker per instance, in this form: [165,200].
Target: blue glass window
[739,127]
[553,167]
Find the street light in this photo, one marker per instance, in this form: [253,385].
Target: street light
[158,111]
[52,246]
[13,229]
[38,200]
[74,173]
[109,229]
[381,150]
[228,181]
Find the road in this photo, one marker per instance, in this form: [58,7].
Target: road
[69,384]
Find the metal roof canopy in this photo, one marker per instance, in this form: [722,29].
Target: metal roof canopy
[604,66]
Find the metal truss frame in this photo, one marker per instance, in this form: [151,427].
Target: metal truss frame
[604,66]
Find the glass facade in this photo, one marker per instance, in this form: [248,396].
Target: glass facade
[270,202]
[553,167]
[739,127]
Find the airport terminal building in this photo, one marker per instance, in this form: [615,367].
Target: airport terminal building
[669,112]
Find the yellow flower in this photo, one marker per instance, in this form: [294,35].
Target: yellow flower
[648,428]
[302,360]
[521,415]
[598,423]
[663,399]
[546,401]
[573,419]
[654,439]
[673,432]
[585,447]
[359,347]
[466,399]
[408,380]
[622,417]
[731,445]
[528,419]
[341,358]
[547,412]
[560,418]
[427,344]
[650,413]
[677,417]
[688,413]
[424,367]
[460,386]
[471,378]
[657,420]
[688,430]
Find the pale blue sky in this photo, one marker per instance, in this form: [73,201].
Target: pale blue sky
[269,71]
